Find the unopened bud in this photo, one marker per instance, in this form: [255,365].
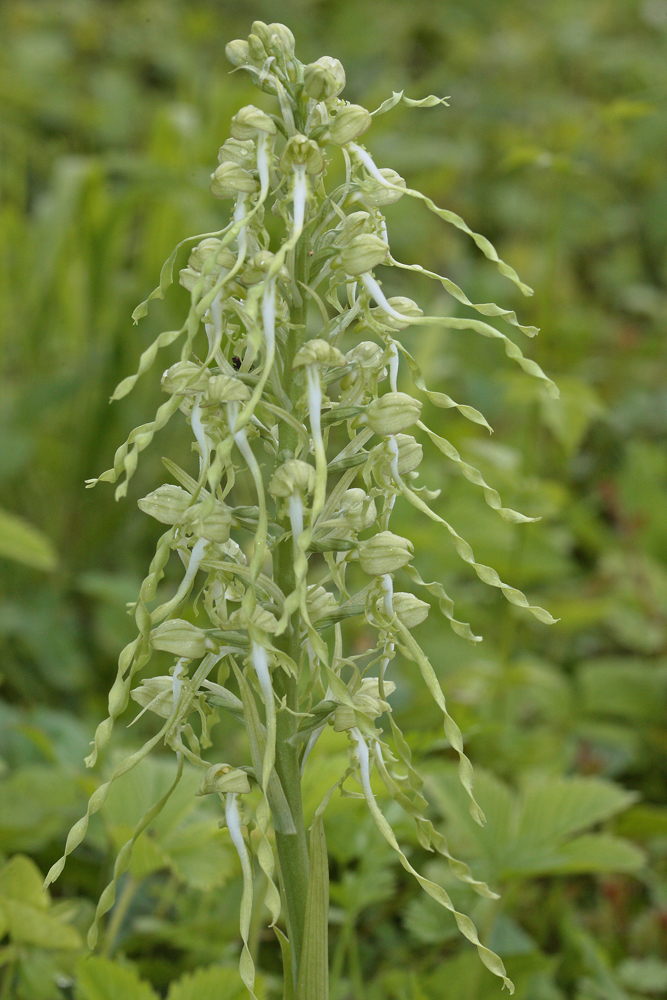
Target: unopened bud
[258,53]
[226,389]
[281,40]
[366,700]
[156,694]
[304,152]
[323,78]
[358,509]
[260,618]
[367,356]
[247,122]
[392,413]
[376,193]
[355,224]
[223,778]
[166,504]
[185,378]
[211,520]
[319,602]
[229,179]
[276,39]
[400,304]
[294,476]
[180,638]
[204,250]
[350,122]
[363,253]
[188,277]
[409,610]
[410,453]
[241,152]
[259,267]
[238,52]
[318,352]
[384,553]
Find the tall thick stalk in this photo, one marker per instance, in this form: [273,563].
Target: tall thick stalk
[272,390]
[292,848]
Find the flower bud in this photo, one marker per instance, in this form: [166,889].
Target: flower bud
[302,151]
[408,609]
[294,476]
[368,357]
[319,602]
[247,122]
[406,307]
[238,52]
[392,413]
[281,40]
[318,352]
[166,504]
[384,553]
[205,249]
[211,520]
[358,509]
[259,267]
[260,618]
[367,701]
[377,194]
[180,638]
[410,453]
[258,54]
[363,253]
[355,224]
[188,277]
[241,152]
[226,389]
[156,694]
[350,122]
[223,778]
[228,180]
[323,78]
[185,378]
[276,39]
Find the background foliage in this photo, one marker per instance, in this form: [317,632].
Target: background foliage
[112,114]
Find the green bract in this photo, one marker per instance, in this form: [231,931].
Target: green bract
[286,401]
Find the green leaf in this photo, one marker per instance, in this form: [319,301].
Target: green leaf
[100,979]
[648,975]
[23,908]
[569,417]
[643,822]
[528,834]
[183,837]
[22,880]
[214,983]
[286,956]
[30,925]
[22,543]
[556,808]
[314,971]
[626,688]
[598,852]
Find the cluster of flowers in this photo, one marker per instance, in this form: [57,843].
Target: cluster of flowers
[266,380]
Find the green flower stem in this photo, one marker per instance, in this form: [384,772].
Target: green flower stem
[292,848]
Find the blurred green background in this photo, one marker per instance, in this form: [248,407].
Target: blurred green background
[555,147]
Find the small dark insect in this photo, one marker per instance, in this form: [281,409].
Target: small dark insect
[236,362]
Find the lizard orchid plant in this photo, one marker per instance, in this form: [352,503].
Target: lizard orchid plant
[288,377]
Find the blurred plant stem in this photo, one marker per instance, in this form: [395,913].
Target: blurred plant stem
[118,914]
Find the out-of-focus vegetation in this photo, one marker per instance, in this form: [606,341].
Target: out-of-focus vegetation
[554,146]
